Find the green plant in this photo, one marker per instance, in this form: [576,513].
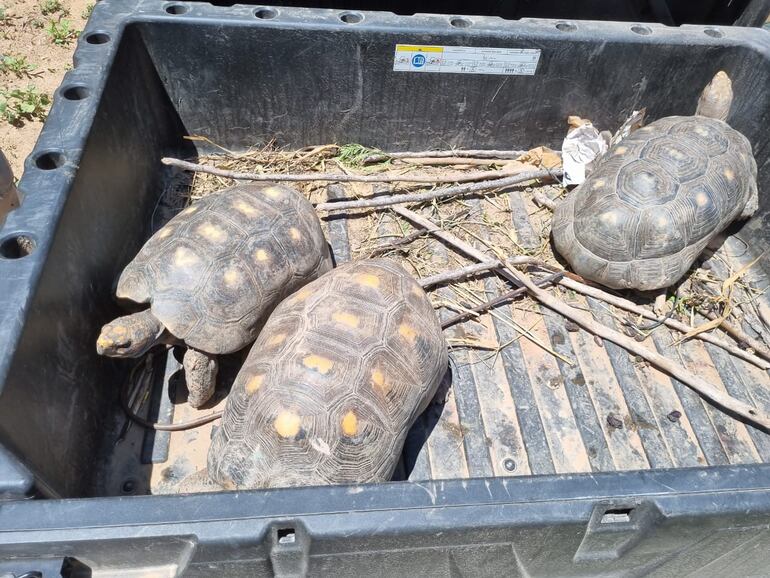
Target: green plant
[17,65]
[353,155]
[48,7]
[87,12]
[61,32]
[37,23]
[17,104]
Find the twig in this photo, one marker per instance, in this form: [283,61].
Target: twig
[439,193]
[485,154]
[543,201]
[480,256]
[346,178]
[597,293]
[749,413]
[396,243]
[442,161]
[707,390]
[740,336]
[507,296]
[455,274]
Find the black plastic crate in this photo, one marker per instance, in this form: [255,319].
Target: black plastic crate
[146,75]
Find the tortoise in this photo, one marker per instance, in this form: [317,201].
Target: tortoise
[338,375]
[658,197]
[213,273]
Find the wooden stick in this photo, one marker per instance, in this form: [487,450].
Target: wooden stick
[543,201]
[387,201]
[396,243]
[744,410]
[442,161]
[741,336]
[749,413]
[621,303]
[461,273]
[347,178]
[507,296]
[485,154]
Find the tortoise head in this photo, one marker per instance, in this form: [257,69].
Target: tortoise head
[716,98]
[130,335]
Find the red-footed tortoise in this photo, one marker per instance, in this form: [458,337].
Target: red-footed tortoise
[213,273]
[658,197]
[338,375]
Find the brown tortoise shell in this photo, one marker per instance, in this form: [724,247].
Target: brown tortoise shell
[335,380]
[215,270]
[654,202]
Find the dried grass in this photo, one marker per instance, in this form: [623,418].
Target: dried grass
[483,220]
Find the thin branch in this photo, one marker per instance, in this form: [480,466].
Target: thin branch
[707,390]
[387,201]
[503,298]
[741,336]
[746,411]
[345,178]
[597,293]
[482,154]
[455,274]
[543,201]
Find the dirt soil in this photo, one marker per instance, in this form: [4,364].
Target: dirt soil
[24,34]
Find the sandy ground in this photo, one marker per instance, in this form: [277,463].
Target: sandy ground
[23,34]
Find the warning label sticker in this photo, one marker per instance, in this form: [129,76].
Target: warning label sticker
[465,59]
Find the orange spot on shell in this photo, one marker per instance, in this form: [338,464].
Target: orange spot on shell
[368,280]
[302,294]
[729,174]
[346,318]
[165,232]
[620,151]
[273,192]
[261,255]
[231,277]
[212,232]
[407,332]
[189,210]
[350,424]
[598,183]
[701,199]
[254,383]
[183,257]
[320,364]
[244,208]
[287,424]
[295,234]
[276,339]
[378,380]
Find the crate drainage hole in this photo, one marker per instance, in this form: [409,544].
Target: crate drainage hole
[713,32]
[17,246]
[98,38]
[75,92]
[458,22]
[617,516]
[566,27]
[286,536]
[49,161]
[177,9]
[643,30]
[266,13]
[351,17]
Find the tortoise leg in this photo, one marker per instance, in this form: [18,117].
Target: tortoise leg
[200,373]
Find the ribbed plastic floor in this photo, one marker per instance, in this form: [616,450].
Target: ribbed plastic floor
[511,410]
[524,411]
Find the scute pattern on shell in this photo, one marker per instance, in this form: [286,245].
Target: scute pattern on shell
[335,380]
[654,202]
[215,270]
